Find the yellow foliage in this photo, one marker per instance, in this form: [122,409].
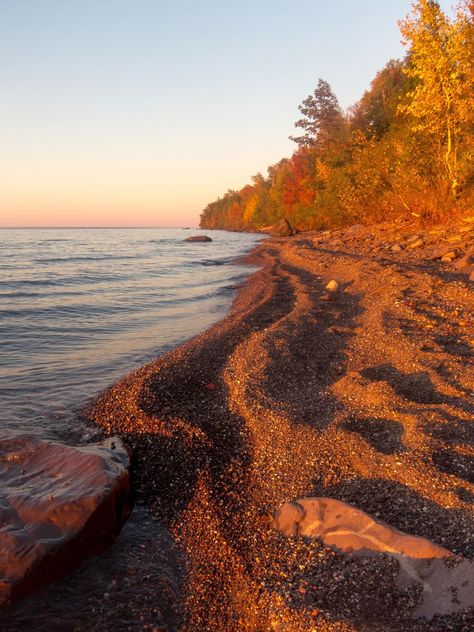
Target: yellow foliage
[249,210]
[441,64]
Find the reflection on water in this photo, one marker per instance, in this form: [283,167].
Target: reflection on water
[81,307]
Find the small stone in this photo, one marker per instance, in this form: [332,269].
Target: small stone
[449,256]
[396,248]
[332,286]
[416,244]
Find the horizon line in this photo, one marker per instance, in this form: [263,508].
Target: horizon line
[90,227]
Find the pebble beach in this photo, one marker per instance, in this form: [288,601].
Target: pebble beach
[344,370]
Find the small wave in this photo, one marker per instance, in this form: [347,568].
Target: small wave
[47,241]
[87,258]
[213,262]
[71,281]
[169,240]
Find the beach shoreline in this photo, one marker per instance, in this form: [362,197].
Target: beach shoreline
[362,393]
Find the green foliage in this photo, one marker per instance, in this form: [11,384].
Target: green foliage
[322,120]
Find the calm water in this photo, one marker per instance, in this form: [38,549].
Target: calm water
[79,308]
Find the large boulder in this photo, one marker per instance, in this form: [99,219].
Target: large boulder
[198,238]
[58,505]
[282,228]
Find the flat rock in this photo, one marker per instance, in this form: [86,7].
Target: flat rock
[198,238]
[415,244]
[440,252]
[447,581]
[58,505]
[466,260]
[449,256]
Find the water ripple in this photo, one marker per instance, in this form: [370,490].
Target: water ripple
[79,308]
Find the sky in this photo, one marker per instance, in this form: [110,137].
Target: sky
[140,112]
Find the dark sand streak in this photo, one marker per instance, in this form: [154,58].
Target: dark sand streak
[292,395]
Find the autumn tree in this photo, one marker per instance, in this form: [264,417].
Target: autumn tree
[376,111]
[441,103]
[407,146]
[322,120]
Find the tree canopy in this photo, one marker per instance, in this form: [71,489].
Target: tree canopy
[407,146]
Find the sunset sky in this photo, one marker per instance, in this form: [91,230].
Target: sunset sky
[139,112]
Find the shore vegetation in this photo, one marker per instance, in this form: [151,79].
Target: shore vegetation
[405,148]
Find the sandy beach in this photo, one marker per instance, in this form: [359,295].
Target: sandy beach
[363,394]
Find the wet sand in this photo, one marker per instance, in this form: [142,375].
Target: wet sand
[365,395]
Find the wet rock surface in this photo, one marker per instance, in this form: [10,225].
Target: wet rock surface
[134,585]
[58,505]
[198,238]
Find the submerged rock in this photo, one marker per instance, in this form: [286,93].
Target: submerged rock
[58,505]
[201,238]
[446,580]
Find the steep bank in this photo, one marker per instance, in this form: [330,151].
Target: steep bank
[364,394]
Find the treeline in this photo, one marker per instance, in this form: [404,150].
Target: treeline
[406,147]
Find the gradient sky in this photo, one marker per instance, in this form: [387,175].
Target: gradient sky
[140,112]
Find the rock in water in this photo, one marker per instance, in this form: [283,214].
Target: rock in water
[447,581]
[58,505]
[198,238]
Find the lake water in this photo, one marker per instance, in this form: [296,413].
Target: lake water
[80,308]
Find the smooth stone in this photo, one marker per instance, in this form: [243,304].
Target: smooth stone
[447,580]
[416,244]
[396,248]
[198,238]
[449,256]
[332,286]
[58,505]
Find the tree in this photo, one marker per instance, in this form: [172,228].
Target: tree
[323,118]
[441,65]
[377,109]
